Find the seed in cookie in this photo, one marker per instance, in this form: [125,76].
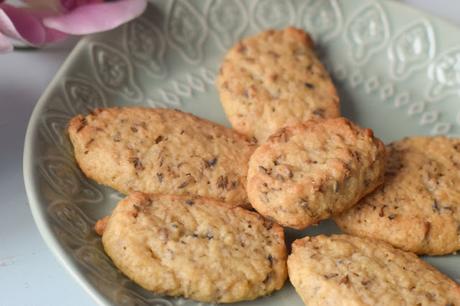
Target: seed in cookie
[195,247]
[311,171]
[272,80]
[161,151]
[418,208]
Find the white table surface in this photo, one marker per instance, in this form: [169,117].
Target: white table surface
[29,273]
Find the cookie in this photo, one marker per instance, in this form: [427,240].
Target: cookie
[161,151]
[346,270]
[418,207]
[272,80]
[195,247]
[311,171]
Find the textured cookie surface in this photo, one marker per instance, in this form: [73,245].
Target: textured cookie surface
[308,172]
[344,270]
[196,247]
[272,80]
[161,151]
[418,207]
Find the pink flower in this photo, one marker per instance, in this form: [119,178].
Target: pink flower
[44,21]
[89,16]
[24,24]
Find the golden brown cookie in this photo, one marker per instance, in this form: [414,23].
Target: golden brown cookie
[196,247]
[418,207]
[346,270]
[274,79]
[311,171]
[161,151]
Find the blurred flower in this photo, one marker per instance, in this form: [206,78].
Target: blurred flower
[43,21]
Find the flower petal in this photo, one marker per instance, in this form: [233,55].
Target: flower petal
[7,26]
[5,44]
[96,17]
[53,35]
[22,24]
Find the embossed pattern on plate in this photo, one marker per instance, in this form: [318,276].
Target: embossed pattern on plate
[397,71]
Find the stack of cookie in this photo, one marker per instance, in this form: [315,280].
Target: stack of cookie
[184,228]
[205,204]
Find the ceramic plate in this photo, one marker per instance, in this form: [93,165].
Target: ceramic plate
[397,71]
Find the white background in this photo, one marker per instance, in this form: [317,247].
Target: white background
[29,274]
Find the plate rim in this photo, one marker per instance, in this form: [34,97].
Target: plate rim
[29,170]
[33,195]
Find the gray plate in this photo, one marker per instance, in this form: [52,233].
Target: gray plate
[397,71]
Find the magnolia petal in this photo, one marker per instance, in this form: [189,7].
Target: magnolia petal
[53,35]
[7,26]
[23,24]
[5,44]
[96,17]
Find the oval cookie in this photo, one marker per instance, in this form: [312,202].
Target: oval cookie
[272,80]
[161,151]
[309,172]
[195,247]
[418,207]
[346,270]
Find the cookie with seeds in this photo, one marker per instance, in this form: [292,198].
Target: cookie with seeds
[274,79]
[314,170]
[195,247]
[161,151]
[346,270]
[418,207]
